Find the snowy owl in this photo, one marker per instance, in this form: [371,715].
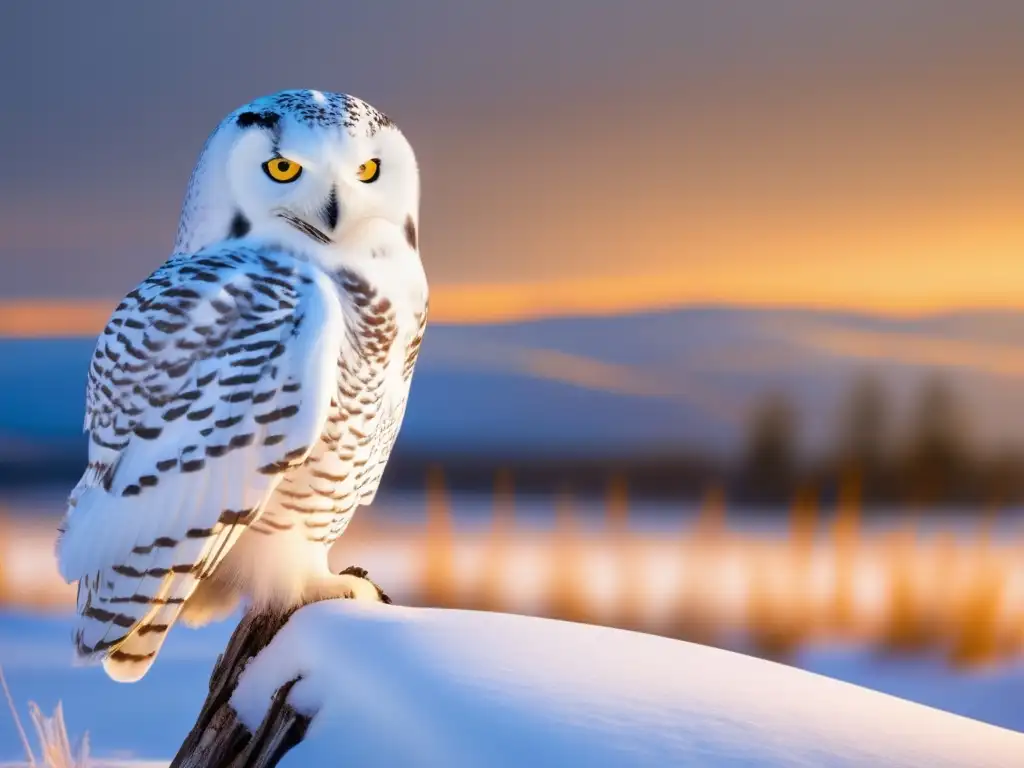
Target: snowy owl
[244,398]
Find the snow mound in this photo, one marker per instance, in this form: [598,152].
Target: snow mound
[391,685]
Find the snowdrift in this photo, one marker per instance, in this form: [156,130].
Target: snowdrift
[391,685]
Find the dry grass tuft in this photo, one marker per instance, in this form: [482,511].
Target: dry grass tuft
[55,750]
[896,591]
[567,598]
[54,745]
[438,576]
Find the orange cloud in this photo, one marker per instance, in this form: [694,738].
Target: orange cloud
[50,318]
[588,373]
[997,359]
[897,290]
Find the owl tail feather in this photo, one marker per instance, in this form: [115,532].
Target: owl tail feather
[129,661]
[123,621]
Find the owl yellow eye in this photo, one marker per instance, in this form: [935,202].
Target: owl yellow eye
[369,171]
[282,170]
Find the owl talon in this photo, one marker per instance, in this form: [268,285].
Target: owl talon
[362,573]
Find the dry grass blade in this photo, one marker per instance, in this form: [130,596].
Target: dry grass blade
[17,720]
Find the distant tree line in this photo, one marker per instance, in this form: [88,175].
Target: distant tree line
[930,462]
[924,459]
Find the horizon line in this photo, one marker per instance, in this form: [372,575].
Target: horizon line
[499,304]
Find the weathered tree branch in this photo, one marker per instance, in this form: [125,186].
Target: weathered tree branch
[218,739]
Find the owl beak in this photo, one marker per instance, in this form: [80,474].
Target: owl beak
[305,227]
[330,211]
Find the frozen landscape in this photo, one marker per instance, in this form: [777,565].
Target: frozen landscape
[408,686]
[413,660]
[714,453]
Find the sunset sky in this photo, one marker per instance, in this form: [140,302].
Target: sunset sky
[578,157]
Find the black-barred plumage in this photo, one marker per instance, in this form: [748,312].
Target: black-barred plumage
[244,398]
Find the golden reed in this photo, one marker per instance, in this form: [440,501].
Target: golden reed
[903,588]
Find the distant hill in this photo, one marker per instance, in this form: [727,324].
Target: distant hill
[616,386]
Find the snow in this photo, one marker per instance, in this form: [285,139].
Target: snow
[391,685]
[993,694]
[147,721]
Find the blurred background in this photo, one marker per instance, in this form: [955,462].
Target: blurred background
[726,317]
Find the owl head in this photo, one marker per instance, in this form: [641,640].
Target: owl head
[315,171]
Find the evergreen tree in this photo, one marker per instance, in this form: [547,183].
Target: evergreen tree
[865,432]
[771,455]
[937,460]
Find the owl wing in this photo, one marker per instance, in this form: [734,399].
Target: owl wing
[211,379]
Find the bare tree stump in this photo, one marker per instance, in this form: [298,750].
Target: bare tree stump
[219,739]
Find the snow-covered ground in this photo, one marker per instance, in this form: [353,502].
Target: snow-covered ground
[426,687]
